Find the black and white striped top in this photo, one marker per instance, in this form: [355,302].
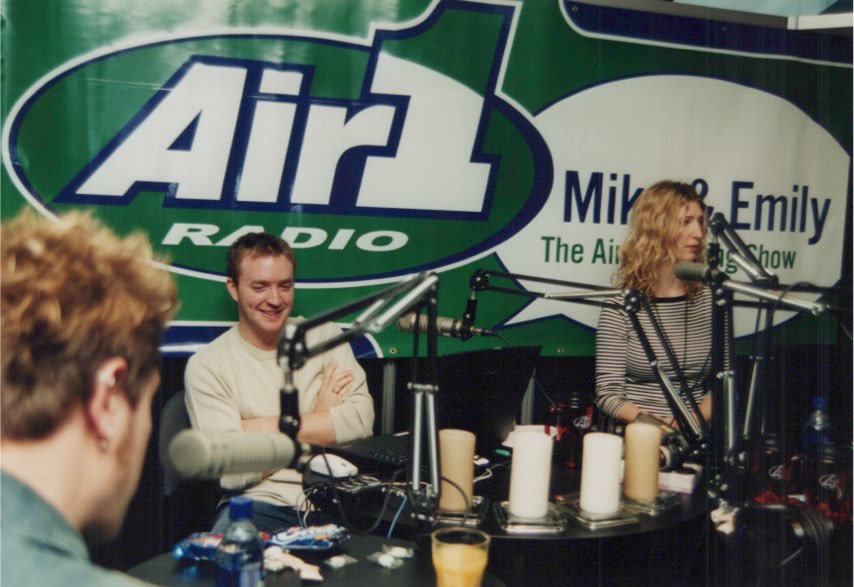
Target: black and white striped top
[623,373]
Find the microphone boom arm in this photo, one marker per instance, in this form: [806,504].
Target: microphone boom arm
[691,422]
[292,345]
[480,282]
[690,419]
[722,229]
[380,309]
[686,411]
[779,297]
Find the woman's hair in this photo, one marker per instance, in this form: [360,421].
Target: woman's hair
[74,295]
[256,244]
[654,225]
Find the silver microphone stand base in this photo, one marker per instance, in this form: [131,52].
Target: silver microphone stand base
[474,517]
[552,523]
[624,516]
[666,500]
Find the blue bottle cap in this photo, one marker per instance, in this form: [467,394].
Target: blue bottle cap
[819,402]
[240,508]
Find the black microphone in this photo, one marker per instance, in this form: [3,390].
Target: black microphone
[194,454]
[688,271]
[444,326]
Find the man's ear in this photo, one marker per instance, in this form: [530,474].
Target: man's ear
[231,286]
[103,408]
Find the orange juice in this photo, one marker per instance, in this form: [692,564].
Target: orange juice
[459,565]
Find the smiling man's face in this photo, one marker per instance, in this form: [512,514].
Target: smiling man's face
[265,295]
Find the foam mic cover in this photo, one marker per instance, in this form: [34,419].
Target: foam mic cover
[690,271]
[194,454]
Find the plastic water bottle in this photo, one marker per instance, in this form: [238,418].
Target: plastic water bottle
[240,555]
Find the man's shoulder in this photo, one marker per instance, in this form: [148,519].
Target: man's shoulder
[47,565]
[216,346]
[40,547]
[214,357]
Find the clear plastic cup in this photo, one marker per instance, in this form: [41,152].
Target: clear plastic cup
[459,556]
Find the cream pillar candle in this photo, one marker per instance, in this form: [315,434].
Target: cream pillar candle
[600,473]
[640,479]
[456,462]
[530,474]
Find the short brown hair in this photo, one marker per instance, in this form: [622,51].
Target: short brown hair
[256,244]
[73,295]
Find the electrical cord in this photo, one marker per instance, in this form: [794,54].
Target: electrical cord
[390,488]
[396,516]
[331,485]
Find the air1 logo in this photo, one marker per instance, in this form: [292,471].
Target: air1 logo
[348,145]
[247,134]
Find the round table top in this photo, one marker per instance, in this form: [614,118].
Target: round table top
[414,572]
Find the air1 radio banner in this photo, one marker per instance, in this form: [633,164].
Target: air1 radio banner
[385,139]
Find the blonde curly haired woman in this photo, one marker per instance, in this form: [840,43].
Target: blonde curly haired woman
[667,225]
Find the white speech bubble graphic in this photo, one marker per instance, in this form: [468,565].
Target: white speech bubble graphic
[765,162]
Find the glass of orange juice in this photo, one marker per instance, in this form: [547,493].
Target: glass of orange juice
[459,556]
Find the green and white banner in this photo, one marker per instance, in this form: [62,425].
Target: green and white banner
[383,139]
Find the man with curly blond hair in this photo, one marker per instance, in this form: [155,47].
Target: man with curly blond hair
[82,316]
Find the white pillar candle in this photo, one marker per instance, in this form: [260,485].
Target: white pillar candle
[456,461]
[530,475]
[640,480]
[600,473]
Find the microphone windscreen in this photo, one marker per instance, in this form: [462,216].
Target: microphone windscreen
[195,454]
[188,453]
[690,271]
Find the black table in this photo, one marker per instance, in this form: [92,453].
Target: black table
[671,545]
[495,491]
[667,548]
[415,572]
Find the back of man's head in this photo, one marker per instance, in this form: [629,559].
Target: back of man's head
[256,244]
[73,295]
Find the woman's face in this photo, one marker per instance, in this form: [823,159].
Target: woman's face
[692,232]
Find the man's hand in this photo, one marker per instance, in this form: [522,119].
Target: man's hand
[334,386]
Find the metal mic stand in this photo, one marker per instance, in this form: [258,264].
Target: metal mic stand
[729,459]
[729,477]
[742,256]
[423,405]
[381,308]
[725,460]
[688,416]
[691,421]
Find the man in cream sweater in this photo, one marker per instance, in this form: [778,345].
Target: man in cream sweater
[233,383]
